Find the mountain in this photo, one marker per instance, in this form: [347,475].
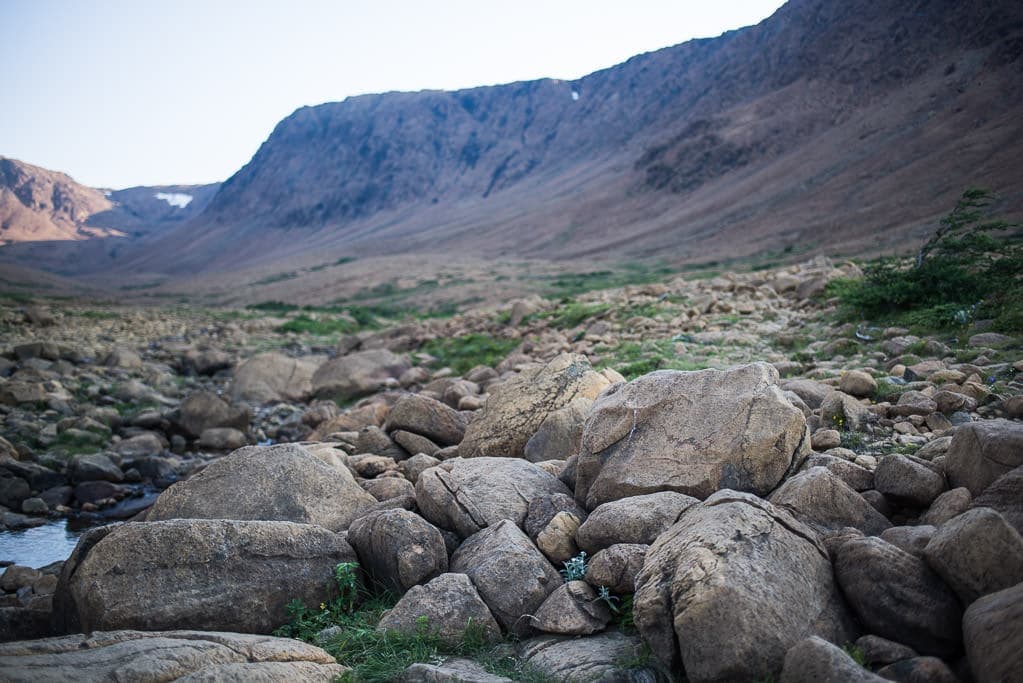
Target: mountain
[828,127]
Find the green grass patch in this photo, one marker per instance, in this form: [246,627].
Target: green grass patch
[462,354]
[280,277]
[573,313]
[634,359]
[320,326]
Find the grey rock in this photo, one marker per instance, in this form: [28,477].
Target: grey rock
[572,609]
[601,658]
[1004,495]
[822,500]
[398,548]
[427,417]
[981,452]
[451,605]
[637,519]
[908,481]
[815,660]
[843,412]
[993,635]
[203,410]
[946,506]
[560,434]
[358,374]
[616,567]
[912,539]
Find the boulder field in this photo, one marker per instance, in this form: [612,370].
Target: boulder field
[737,523]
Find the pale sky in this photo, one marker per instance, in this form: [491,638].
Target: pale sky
[119,93]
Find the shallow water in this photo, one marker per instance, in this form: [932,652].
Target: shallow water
[39,546]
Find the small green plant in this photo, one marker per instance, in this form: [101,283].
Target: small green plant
[575,568]
[856,653]
[306,622]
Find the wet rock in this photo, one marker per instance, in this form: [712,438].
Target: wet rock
[692,433]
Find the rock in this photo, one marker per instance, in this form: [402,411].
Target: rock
[616,567]
[1013,406]
[284,482]
[15,393]
[727,590]
[374,440]
[815,660]
[603,658]
[637,519]
[15,576]
[34,506]
[205,361]
[557,540]
[858,383]
[414,443]
[358,374]
[912,539]
[858,478]
[388,488]
[913,403]
[993,635]
[204,574]
[690,432]
[511,575]
[572,610]
[560,433]
[823,439]
[812,393]
[94,467]
[907,480]
[822,500]
[843,412]
[977,553]
[121,357]
[451,606]
[983,451]
[949,402]
[518,407]
[416,465]
[398,548]
[427,417]
[164,656]
[1004,496]
[468,495]
[272,376]
[897,596]
[13,491]
[95,491]
[918,670]
[204,410]
[878,651]
[142,445]
[452,670]
[934,449]
[221,439]
[946,506]
[992,340]
[543,509]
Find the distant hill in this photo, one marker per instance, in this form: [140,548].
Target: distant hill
[828,127]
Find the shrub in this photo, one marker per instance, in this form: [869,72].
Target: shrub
[970,267]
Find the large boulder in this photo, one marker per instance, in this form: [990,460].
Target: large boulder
[272,376]
[358,374]
[637,519]
[908,480]
[977,553]
[981,452]
[427,417]
[398,548]
[735,583]
[819,498]
[511,575]
[897,596]
[560,433]
[166,656]
[993,635]
[468,495]
[219,575]
[451,606]
[284,482]
[690,432]
[517,408]
[205,410]
[1004,496]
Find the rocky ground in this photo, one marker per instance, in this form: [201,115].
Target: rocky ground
[798,498]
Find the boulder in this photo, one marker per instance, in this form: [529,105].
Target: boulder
[121,357]
[690,432]
[913,403]
[560,433]
[993,635]
[543,509]
[983,451]
[1004,496]
[908,481]
[735,583]
[15,392]
[451,670]
[822,500]
[451,606]
[637,519]
[858,383]
[616,567]
[912,539]
[518,407]
[284,482]
[197,573]
[468,495]
[977,553]
[164,656]
[511,575]
[572,610]
[204,409]
[358,374]
[147,443]
[414,443]
[398,548]
[878,651]
[918,670]
[812,393]
[897,596]
[602,658]
[815,660]
[427,417]
[858,478]
[843,412]
[557,540]
[221,439]
[948,505]
[94,467]
[272,376]
[388,488]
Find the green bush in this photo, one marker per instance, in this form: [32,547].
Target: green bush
[971,267]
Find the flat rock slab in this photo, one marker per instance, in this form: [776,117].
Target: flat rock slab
[149,657]
[602,658]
